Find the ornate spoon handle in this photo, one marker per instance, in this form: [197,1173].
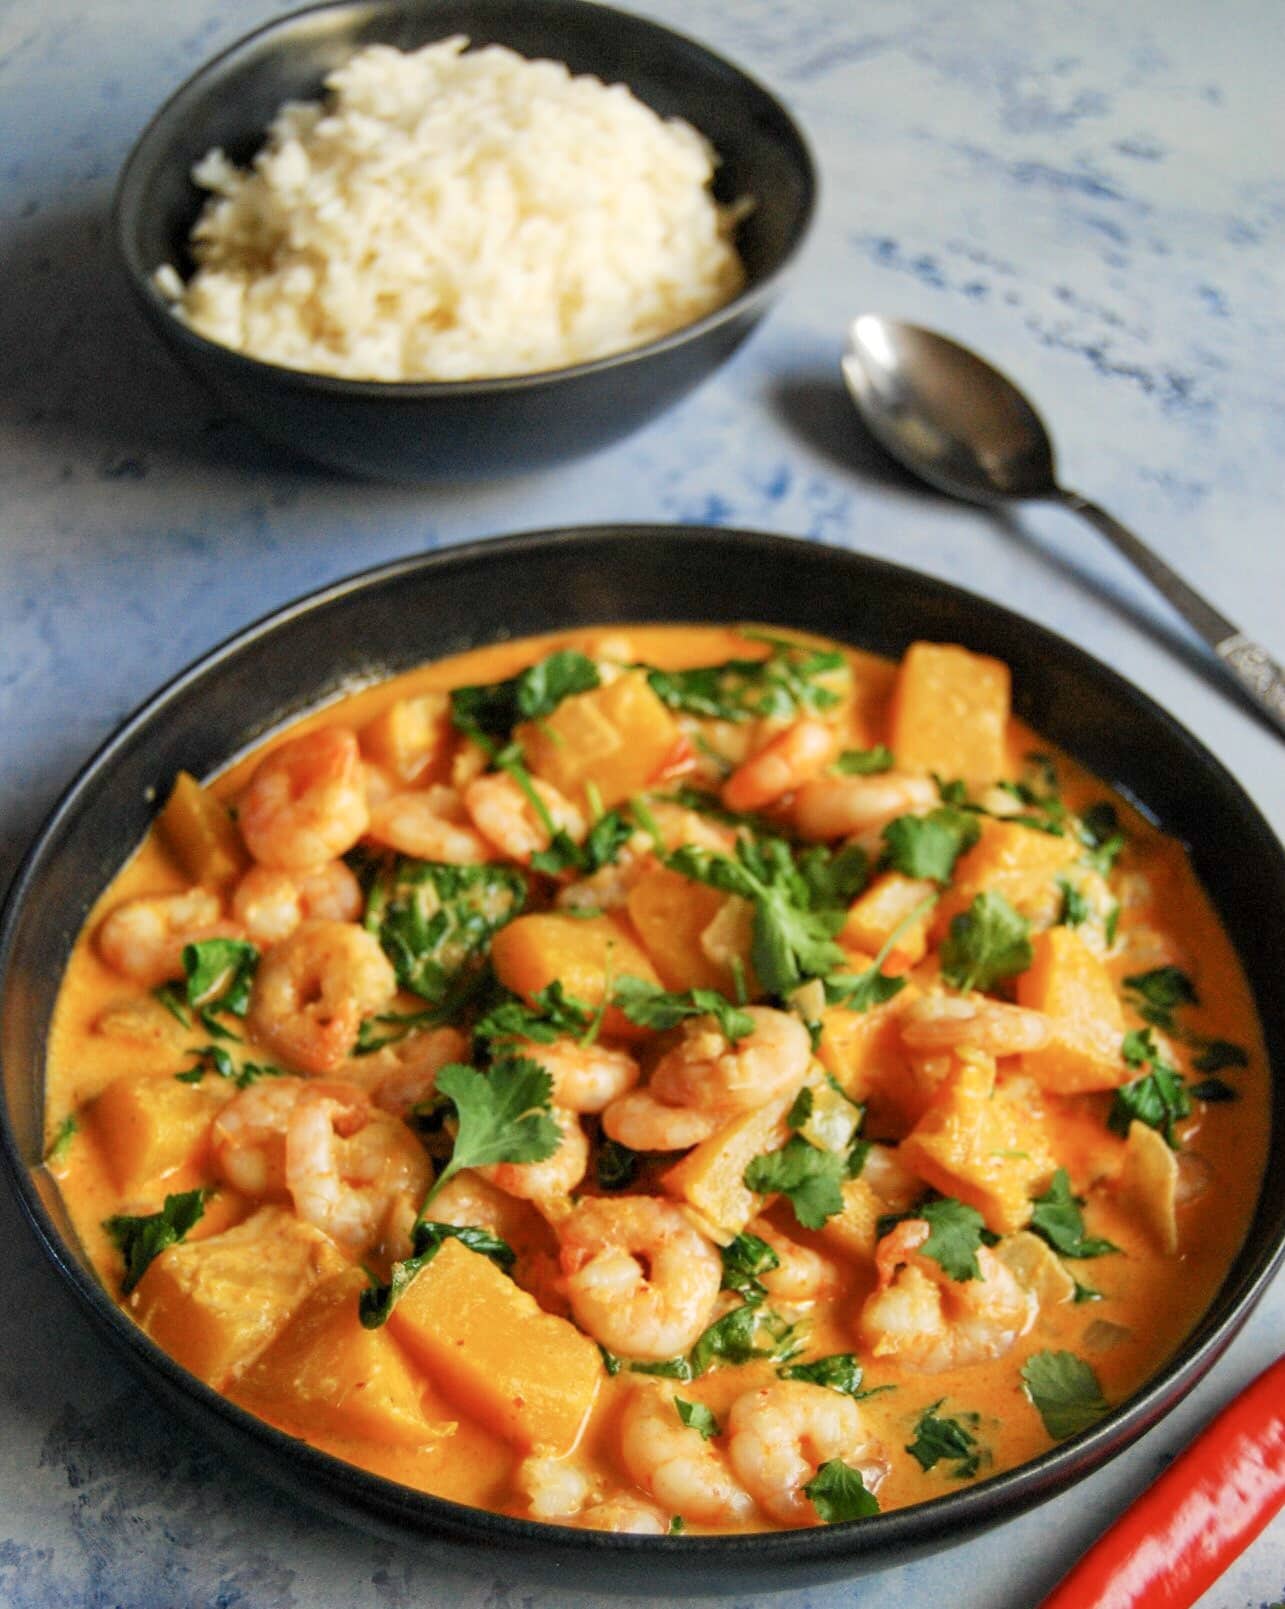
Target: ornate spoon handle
[1258,674]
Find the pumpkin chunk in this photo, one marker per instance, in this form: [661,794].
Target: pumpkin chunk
[413,737]
[616,738]
[524,1374]
[1069,983]
[215,1304]
[1019,862]
[710,1179]
[585,954]
[977,1143]
[149,1125]
[672,914]
[950,713]
[326,1373]
[201,835]
[874,917]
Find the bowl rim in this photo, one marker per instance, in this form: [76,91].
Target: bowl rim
[381,1502]
[130,193]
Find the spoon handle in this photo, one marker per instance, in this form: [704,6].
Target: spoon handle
[1258,674]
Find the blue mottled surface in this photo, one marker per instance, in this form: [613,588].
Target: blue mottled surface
[1091,193]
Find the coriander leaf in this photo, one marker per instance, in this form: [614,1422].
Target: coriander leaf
[956,1233]
[677,1525]
[986,943]
[553,1013]
[696,1416]
[503,1115]
[219,975]
[650,1006]
[864,762]
[217,1060]
[391,1027]
[666,1369]
[1159,1098]
[839,1493]
[944,1439]
[174,1002]
[809,1179]
[1084,1293]
[427,1239]
[1065,1391]
[729,1339]
[786,683]
[610,1362]
[1101,836]
[928,846]
[435,923]
[859,991]
[839,1372]
[1157,994]
[493,709]
[834,876]
[744,1259]
[1057,1217]
[1075,909]
[61,1142]
[616,1165]
[1213,1090]
[1218,1054]
[140,1240]
[797,1117]
[607,837]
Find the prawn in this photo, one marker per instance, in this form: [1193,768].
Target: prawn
[831,807]
[347,1166]
[643,1123]
[401,1075]
[931,1322]
[556,1176]
[586,1078]
[429,824]
[796,755]
[248,1137]
[708,1071]
[675,1465]
[780,1435]
[270,903]
[144,938]
[503,814]
[803,1275]
[554,1489]
[623,1513]
[937,1023]
[313,989]
[306,802]
[639,1278]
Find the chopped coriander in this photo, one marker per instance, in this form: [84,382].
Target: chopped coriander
[839,1493]
[610,1362]
[1218,1054]
[1159,1098]
[435,922]
[988,942]
[607,837]
[665,1369]
[61,1143]
[809,1179]
[945,1439]
[1084,1293]
[859,991]
[217,1060]
[928,846]
[1065,1391]
[677,1525]
[1057,1217]
[801,1111]
[696,1416]
[839,1372]
[1157,994]
[427,1239]
[140,1240]
[1213,1091]
[552,1014]
[172,998]
[616,1165]
[219,974]
[391,1027]
[744,1259]
[786,683]
[1101,836]
[956,1231]
[1075,909]
[864,762]
[491,711]
[650,1006]
[730,1339]
[503,1116]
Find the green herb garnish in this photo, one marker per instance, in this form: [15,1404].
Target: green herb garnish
[1065,1391]
[141,1240]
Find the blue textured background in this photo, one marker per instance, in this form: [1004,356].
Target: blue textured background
[1092,194]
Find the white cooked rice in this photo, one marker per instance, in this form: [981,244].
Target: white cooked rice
[450,214]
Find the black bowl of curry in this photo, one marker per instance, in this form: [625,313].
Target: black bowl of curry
[529,1060]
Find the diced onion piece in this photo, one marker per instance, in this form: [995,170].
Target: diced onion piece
[1149,1184]
[1036,1267]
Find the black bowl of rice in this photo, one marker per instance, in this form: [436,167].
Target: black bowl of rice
[419,239]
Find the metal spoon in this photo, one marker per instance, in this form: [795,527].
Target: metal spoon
[966,429]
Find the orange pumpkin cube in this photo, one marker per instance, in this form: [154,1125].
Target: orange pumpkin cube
[1021,863]
[950,713]
[1069,983]
[671,914]
[149,1125]
[586,953]
[524,1374]
[412,738]
[201,835]
[710,1179]
[616,738]
[875,915]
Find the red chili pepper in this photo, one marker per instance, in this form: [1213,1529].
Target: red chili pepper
[1174,1542]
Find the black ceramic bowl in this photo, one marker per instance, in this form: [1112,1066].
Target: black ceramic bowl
[419,430]
[421,608]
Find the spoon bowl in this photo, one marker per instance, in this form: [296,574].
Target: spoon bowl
[957,423]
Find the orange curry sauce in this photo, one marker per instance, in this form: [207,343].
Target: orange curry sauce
[983,1116]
